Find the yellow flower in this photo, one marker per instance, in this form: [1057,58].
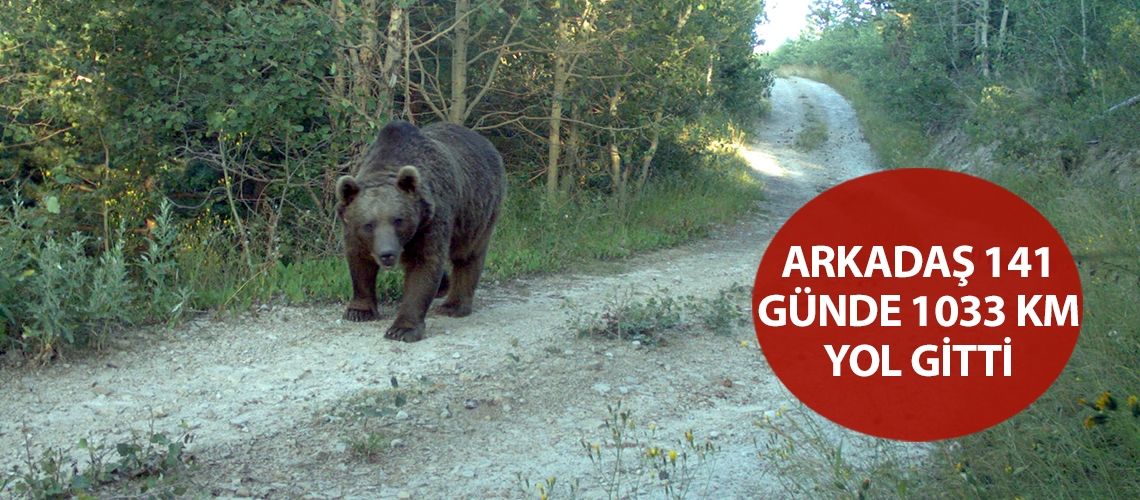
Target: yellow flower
[1105,401]
[673,456]
[1133,401]
[689,436]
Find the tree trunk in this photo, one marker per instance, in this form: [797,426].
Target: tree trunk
[1001,33]
[558,94]
[617,177]
[982,36]
[393,62]
[573,147]
[457,111]
[654,142]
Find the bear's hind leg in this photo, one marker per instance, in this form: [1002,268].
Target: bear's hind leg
[444,286]
[466,274]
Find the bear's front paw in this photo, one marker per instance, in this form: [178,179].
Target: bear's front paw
[361,315]
[405,334]
[453,310]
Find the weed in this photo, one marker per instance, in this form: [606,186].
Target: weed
[368,447]
[143,469]
[631,461]
[721,313]
[366,411]
[811,461]
[624,318]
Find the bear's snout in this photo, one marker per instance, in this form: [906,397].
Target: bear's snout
[386,259]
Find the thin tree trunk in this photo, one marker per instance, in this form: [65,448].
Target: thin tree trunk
[340,85]
[1084,35]
[554,139]
[1001,32]
[984,36]
[457,111]
[617,177]
[654,142]
[573,147]
[393,62]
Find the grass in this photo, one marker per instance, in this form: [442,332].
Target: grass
[1071,443]
[1080,439]
[814,134]
[624,317]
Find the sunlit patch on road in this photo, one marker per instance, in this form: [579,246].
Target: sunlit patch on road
[764,163]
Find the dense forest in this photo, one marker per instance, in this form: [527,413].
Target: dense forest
[1040,97]
[179,155]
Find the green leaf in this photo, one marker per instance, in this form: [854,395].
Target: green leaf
[52,204]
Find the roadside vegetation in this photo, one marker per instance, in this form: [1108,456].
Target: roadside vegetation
[157,161]
[1040,98]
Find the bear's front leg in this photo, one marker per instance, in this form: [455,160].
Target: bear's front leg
[363,268]
[421,283]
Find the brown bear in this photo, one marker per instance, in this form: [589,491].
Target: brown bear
[420,197]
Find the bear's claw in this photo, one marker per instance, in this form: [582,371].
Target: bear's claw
[453,310]
[405,334]
[359,315]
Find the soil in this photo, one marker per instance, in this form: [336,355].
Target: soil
[277,399]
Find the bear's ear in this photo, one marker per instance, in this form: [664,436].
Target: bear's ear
[347,189]
[408,179]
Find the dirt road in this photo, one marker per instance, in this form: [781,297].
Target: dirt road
[508,392]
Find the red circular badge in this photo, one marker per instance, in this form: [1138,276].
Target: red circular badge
[917,304]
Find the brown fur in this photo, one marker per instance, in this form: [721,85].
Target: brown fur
[420,197]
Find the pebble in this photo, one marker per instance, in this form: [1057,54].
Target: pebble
[402,415]
[602,388]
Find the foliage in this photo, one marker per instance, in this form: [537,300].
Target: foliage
[242,115]
[1045,92]
[144,469]
[56,294]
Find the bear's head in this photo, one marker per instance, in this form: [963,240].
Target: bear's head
[381,219]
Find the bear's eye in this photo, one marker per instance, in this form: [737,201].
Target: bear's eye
[368,226]
[398,222]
